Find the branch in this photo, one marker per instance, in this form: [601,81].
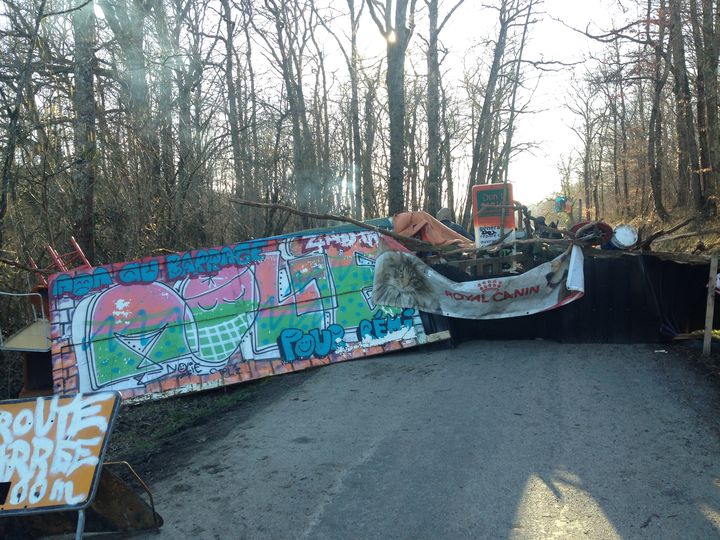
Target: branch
[66,11]
[410,243]
[608,37]
[548,65]
[645,244]
[21,266]
[494,248]
[371,6]
[714,230]
[447,17]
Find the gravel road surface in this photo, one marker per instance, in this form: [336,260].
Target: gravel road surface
[489,440]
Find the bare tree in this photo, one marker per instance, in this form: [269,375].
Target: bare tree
[688,165]
[433,103]
[590,112]
[706,39]
[370,205]
[655,151]
[292,24]
[396,26]
[487,124]
[84,128]
[232,97]
[13,130]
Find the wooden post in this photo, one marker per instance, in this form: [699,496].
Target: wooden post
[710,308]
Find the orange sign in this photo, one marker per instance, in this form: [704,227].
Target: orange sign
[51,450]
[492,207]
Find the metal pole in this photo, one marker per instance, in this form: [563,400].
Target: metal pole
[80,525]
[710,307]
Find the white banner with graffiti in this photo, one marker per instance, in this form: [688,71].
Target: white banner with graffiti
[403,280]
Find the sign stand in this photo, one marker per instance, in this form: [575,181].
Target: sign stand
[80,525]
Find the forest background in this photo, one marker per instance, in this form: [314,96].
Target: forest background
[133,125]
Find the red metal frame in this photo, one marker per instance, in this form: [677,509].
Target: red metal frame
[61,262]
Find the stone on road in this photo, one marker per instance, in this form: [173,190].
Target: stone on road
[489,440]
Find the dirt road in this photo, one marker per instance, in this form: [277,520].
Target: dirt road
[490,440]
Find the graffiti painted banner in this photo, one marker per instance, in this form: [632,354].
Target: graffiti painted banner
[191,321]
[51,450]
[403,280]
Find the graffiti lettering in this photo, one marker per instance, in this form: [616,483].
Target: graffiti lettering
[211,260]
[339,241]
[186,367]
[42,447]
[82,283]
[139,272]
[383,325]
[295,344]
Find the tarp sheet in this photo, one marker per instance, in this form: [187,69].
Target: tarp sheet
[425,227]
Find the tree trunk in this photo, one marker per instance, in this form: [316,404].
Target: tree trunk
[705,38]
[396,32]
[367,173]
[709,66]
[85,131]
[447,155]
[433,113]
[504,158]
[625,209]
[655,143]
[165,120]
[253,189]
[395,80]
[481,147]
[412,166]
[355,112]
[14,124]
[232,114]
[126,19]
[688,168]
[700,86]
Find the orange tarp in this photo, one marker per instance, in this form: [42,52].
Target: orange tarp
[425,227]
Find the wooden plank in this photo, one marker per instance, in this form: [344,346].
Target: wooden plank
[710,308]
[35,338]
[438,336]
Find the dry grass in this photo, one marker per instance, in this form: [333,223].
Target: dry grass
[710,241]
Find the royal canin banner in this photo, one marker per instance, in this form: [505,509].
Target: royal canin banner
[403,280]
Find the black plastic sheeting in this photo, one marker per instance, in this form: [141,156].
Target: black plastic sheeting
[628,299]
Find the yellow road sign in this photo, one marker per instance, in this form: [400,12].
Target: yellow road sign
[51,450]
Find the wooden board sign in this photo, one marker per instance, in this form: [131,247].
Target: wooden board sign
[51,451]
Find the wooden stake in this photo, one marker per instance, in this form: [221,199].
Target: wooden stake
[710,308]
